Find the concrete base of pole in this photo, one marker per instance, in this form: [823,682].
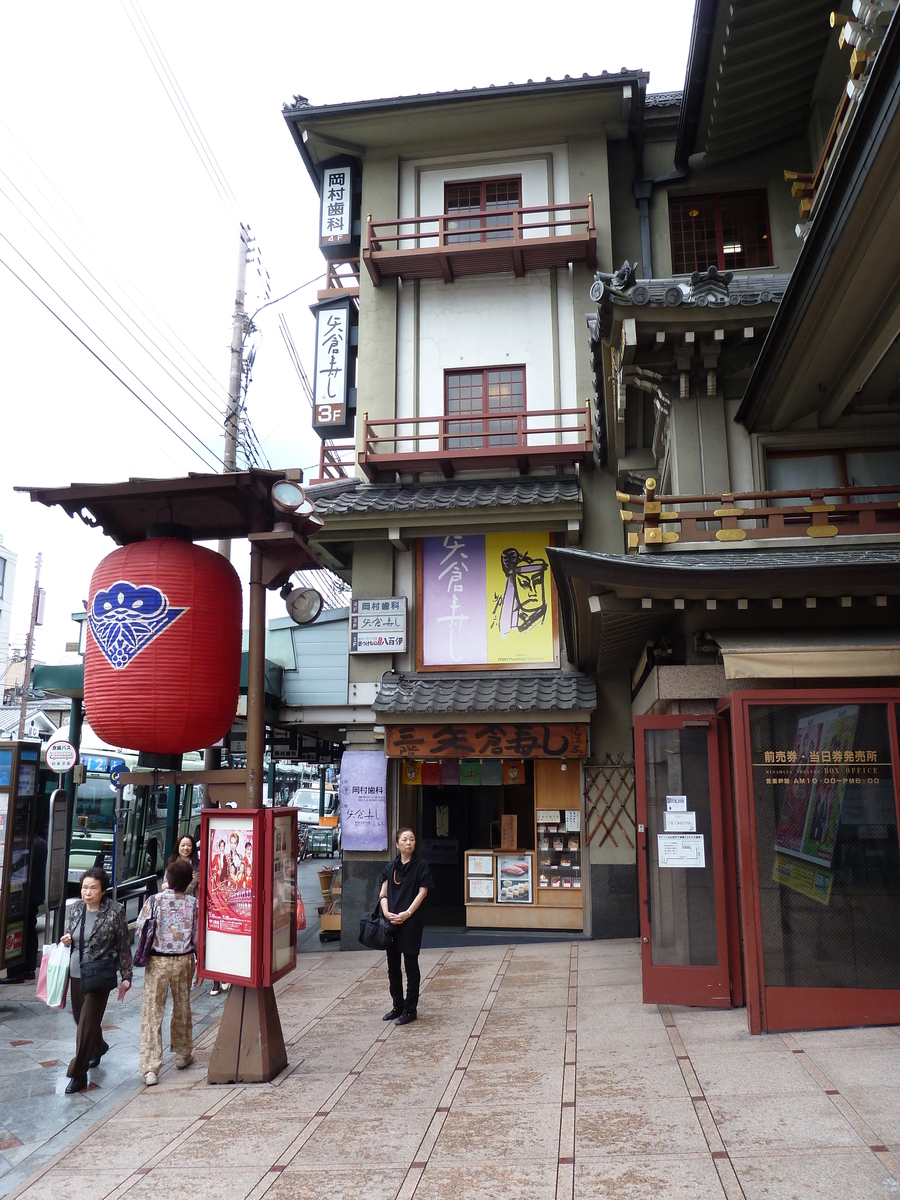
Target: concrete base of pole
[250,1045]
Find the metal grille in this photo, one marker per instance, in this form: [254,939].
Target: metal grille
[609,800]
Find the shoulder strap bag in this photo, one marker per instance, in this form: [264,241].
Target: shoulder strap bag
[99,974]
[375,931]
[144,947]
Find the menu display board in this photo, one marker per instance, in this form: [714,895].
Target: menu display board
[515,878]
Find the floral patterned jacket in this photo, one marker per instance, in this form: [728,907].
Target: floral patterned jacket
[109,935]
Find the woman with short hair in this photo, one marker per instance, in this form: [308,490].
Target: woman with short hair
[172,964]
[96,930]
[405,883]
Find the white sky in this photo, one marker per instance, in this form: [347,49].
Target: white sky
[89,138]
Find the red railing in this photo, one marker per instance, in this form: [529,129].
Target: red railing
[336,461]
[475,440]
[468,243]
[341,276]
[455,229]
[820,513]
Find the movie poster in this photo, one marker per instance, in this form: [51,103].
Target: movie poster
[229,879]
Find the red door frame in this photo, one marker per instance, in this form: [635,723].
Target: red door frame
[773,1009]
[707,987]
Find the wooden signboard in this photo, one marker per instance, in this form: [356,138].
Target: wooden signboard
[485,741]
[509,831]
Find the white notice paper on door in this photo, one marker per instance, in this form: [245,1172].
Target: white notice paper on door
[676,803]
[680,822]
[681,850]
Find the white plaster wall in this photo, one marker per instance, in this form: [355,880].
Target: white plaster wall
[6,606]
[486,320]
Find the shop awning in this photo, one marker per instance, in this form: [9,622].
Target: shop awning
[503,692]
[826,655]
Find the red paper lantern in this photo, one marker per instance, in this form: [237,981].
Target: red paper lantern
[162,667]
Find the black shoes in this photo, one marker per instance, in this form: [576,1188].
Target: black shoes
[94,1062]
[78,1084]
[406,1019]
[392,1015]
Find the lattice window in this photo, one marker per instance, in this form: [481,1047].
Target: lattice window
[484,199]
[729,231]
[485,398]
[609,800]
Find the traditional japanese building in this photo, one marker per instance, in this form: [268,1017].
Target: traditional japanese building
[623,486]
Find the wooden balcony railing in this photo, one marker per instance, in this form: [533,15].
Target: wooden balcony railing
[476,442]
[336,461]
[341,279]
[450,245]
[732,518]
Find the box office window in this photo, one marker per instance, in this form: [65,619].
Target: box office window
[827,845]
[729,230]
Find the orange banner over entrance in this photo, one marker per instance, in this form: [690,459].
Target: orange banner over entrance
[485,741]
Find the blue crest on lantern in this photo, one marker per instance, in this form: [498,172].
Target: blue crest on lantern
[127,617]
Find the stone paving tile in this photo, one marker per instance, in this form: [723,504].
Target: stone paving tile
[638,1177]
[61,1183]
[306,1182]
[879,1107]
[630,1079]
[777,1124]
[619,1126]
[815,1175]
[876,1066]
[503,1179]
[187,1181]
[525,1131]
[751,1075]
[493,1086]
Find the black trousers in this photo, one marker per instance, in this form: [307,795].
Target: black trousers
[395,979]
[87,1009]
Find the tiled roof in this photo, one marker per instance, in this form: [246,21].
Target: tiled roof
[503,692]
[663,99]
[421,497]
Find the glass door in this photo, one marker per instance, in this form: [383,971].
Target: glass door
[681,862]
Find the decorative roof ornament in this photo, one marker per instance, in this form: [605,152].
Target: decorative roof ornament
[711,288]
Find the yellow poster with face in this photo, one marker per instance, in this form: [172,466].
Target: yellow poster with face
[520,598]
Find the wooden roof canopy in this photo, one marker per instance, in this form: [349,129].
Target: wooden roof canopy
[236,505]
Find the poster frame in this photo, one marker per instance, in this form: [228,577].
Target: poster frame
[239,818]
[270,974]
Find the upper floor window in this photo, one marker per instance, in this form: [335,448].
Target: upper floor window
[481,199]
[792,470]
[482,404]
[729,230]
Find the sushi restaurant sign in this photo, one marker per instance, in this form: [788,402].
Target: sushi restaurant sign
[485,741]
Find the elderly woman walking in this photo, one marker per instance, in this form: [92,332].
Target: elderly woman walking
[98,934]
[171,964]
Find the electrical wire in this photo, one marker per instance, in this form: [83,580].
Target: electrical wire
[210,409]
[203,368]
[140,399]
[183,111]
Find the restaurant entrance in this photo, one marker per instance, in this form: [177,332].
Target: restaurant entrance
[792,793]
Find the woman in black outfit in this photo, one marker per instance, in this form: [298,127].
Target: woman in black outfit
[404,886]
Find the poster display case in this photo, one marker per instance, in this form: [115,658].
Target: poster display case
[515,878]
[19,763]
[559,852]
[480,886]
[248,895]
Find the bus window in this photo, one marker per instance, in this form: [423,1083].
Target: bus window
[94,805]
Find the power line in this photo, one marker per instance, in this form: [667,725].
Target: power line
[211,410]
[210,377]
[183,111]
[149,407]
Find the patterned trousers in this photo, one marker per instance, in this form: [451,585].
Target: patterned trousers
[160,974]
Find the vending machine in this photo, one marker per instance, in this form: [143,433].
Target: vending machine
[19,764]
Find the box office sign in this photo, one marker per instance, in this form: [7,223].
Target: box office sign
[487,599]
[378,626]
[483,741]
[364,800]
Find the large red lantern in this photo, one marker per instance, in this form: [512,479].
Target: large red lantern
[163,662]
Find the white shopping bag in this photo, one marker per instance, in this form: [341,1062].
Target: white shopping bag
[58,975]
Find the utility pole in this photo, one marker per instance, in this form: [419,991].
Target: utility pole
[232,412]
[37,618]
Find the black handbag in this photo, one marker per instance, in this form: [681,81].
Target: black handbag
[375,931]
[99,974]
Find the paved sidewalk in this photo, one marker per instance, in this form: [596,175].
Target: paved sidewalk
[533,1073]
